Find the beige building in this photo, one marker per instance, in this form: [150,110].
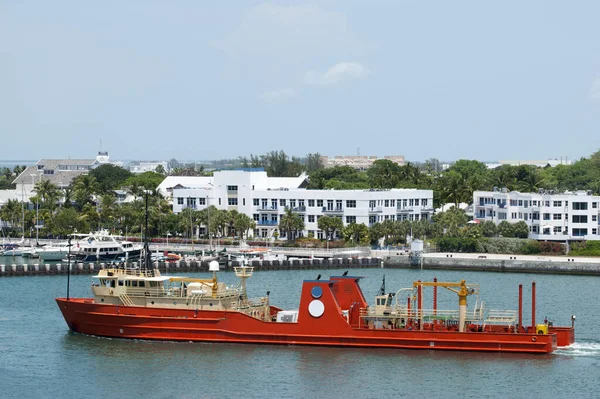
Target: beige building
[360,162]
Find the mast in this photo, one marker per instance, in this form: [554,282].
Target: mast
[69,268]
[146,257]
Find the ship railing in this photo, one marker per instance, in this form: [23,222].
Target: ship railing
[501,317]
[131,272]
[146,291]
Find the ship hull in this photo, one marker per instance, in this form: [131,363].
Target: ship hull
[85,316]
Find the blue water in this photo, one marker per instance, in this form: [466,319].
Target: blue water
[40,358]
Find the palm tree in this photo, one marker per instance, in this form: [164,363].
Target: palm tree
[291,222]
[46,190]
[84,188]
[11,212]
[330,224]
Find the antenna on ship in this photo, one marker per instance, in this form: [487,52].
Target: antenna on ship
[382,289]
[146,258]
[68,267]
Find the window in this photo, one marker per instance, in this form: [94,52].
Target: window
[372,204]
[513,215]
[319,203]
[594,218]
[594,205]
[179,200]
[201,201]
[580,219]
[372,220]
[393,202]
[579,232]
[424,202]
[558,229]
[546,216]
[557,216]
[520,202]
[580,206]
[557,204]
[501,215]
[311,218]
[232,201]
[274,218]
[255,201]
[350,219]
[594,231]
[387,203]
[513,202]
[256,217]
[273,204]
[311,202]
[282,202]
[338,204]
[351,204]
[232,188]
[301,203]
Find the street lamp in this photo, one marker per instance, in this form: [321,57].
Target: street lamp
[168,235]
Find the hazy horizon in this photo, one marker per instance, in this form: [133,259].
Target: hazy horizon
[207,81]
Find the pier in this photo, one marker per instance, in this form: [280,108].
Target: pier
[192,266]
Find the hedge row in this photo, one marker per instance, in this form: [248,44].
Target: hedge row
[499,246]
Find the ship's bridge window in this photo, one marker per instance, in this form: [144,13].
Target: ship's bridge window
[120,283]
[142,284]
[134,283]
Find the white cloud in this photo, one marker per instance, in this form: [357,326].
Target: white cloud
[595,90]
[277,95]
[337,73]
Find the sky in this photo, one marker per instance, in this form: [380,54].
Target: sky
[202,80]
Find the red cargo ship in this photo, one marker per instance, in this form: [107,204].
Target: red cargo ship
[142,304]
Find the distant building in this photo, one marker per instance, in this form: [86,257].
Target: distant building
[142,167]
[265,199]
[359,162]
[60,172]
[550,215]
[539,164]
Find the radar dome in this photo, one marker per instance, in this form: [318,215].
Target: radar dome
[213,266]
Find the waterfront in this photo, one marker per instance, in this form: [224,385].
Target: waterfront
[40,358]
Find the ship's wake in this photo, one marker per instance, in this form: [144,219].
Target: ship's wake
[582,348]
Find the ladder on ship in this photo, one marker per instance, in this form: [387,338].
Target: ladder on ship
[125,299]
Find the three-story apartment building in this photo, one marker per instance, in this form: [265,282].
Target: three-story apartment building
[549,215]
[265,199]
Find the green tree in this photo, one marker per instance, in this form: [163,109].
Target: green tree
[505,229]
[330,224]
[384,174]
[489,229]
[356,234]
[520,229]
[65,222]
[84,188]
[291,223]
[110,177]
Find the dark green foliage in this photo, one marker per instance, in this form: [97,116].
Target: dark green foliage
[110,177]
[585,248]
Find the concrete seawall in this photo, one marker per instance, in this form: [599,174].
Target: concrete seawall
[192,266]
[514,264]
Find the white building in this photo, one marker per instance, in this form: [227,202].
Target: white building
[360,162]
[142,167]
[265,199]
[60,172]
[549,215]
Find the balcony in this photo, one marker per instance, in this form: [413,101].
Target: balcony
[375,209]
[297,209]
[334,210]
[264,208]
[405,209]
[190,206]
[267,222]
